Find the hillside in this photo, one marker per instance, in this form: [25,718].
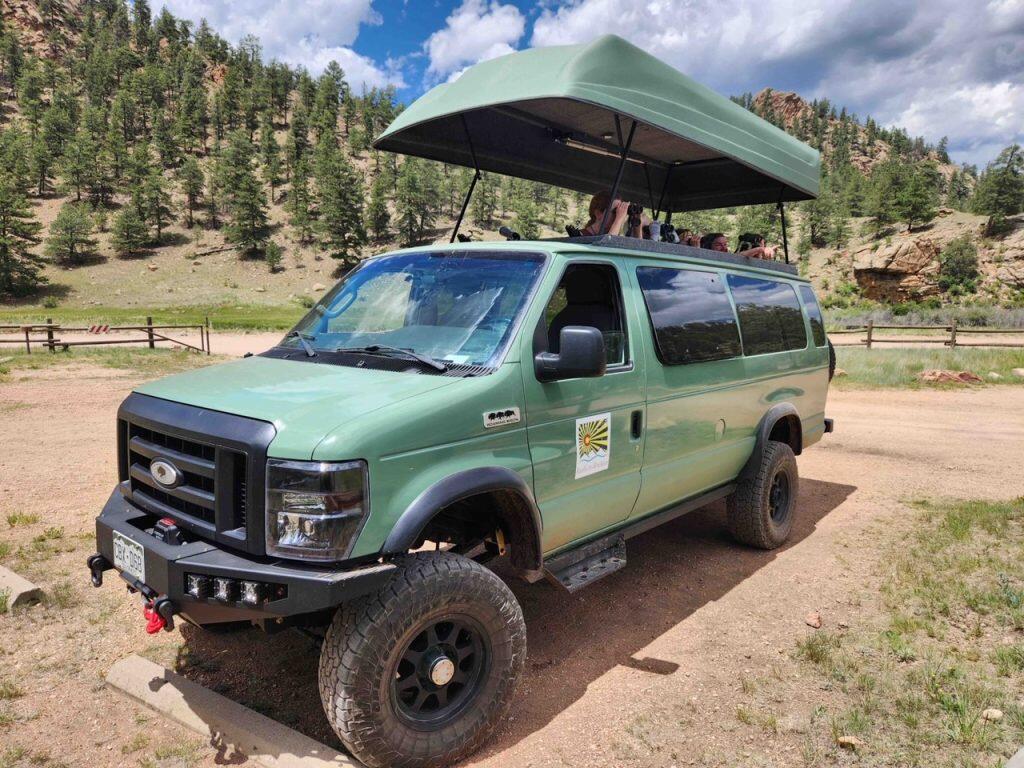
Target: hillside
[167,167]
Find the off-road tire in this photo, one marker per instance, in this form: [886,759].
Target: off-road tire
[365,644]
[831,361]
[749,508]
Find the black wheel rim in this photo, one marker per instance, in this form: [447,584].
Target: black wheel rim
[778,498]
[440,671]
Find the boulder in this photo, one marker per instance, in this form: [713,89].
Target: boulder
[949,377]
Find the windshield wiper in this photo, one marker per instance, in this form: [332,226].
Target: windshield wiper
[303,340]
[388,351]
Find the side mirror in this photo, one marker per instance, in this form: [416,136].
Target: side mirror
[580,355]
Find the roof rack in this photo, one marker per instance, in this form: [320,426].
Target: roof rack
[676,249]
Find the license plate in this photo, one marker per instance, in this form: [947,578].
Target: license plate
[129,556]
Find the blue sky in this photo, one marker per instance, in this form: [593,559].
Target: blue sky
[941,67]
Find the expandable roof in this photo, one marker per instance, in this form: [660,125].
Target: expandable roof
[549,114]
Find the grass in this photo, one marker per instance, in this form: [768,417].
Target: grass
[148,362]
[898,368]
[976,315]
[914,684]
[245,317]
[9,690]
[21,518]
[62,595]
[5,600]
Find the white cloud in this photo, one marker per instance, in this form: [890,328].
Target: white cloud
[475,31]
[944,67]
[309,33]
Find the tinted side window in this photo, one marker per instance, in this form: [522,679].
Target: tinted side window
[691,315]
[770,316]
[814,314]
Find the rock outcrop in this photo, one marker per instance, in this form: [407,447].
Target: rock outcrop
[906,266]
[905,269]
[48,36]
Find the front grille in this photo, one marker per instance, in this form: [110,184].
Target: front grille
[213,489]
[221,457]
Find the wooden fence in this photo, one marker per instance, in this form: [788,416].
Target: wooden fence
[953,332]
[47,335]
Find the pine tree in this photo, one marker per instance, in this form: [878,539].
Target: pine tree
[70,241]
[246,201]
[40,165]
[19,266]
[880,203]
[300,201]
[297,142]
[156,202]
[270,155]
[1000,190]
[191,181]
[340,197]
[130,234]
[377,212]
[414,201]
[917,197]
[77,164]
[31,87]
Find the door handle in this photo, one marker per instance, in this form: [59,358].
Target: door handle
[636,424]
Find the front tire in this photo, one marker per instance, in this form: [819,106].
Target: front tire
[419,673]
[762,508]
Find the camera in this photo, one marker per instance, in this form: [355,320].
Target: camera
[669,234]
[634,212]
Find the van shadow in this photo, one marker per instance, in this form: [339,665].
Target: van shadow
[672,571]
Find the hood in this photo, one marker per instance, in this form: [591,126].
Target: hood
[303,400]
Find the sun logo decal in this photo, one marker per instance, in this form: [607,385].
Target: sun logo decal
[593,444]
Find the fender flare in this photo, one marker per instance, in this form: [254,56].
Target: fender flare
[774,414]
[523,517]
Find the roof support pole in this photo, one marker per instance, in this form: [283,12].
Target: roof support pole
[618,174]
[785,242]
[472,183]
[465,205]
[661,199]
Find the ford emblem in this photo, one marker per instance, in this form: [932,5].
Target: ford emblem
[165,474]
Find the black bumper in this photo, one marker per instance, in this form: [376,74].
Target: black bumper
[307,589]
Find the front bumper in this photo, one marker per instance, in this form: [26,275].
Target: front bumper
[307,589]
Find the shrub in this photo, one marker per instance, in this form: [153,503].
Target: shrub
[273,255]
[958,266]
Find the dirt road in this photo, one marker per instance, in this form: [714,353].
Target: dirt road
[648,668]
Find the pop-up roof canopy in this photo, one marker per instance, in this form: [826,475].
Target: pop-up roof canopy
[564,115]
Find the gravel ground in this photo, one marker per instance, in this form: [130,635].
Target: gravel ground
[648,668]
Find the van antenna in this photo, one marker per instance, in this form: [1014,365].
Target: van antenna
[618,174]
[472,183]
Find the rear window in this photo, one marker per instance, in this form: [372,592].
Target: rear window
[814,315]
[770,316]
[691,315]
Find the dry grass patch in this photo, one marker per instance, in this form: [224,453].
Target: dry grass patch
[921,686]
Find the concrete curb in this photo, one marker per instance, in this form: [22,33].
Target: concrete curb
[230,727]
[1017,761]
[21,592]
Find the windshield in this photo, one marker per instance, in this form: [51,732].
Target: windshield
[457,308]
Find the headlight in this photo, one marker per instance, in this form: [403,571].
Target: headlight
[314,508]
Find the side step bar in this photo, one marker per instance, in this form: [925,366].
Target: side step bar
[585,564]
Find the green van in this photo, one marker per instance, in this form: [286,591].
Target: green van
[449,407]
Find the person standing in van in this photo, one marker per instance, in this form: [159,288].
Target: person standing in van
[620,212]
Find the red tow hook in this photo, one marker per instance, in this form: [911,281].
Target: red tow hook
[158,613]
